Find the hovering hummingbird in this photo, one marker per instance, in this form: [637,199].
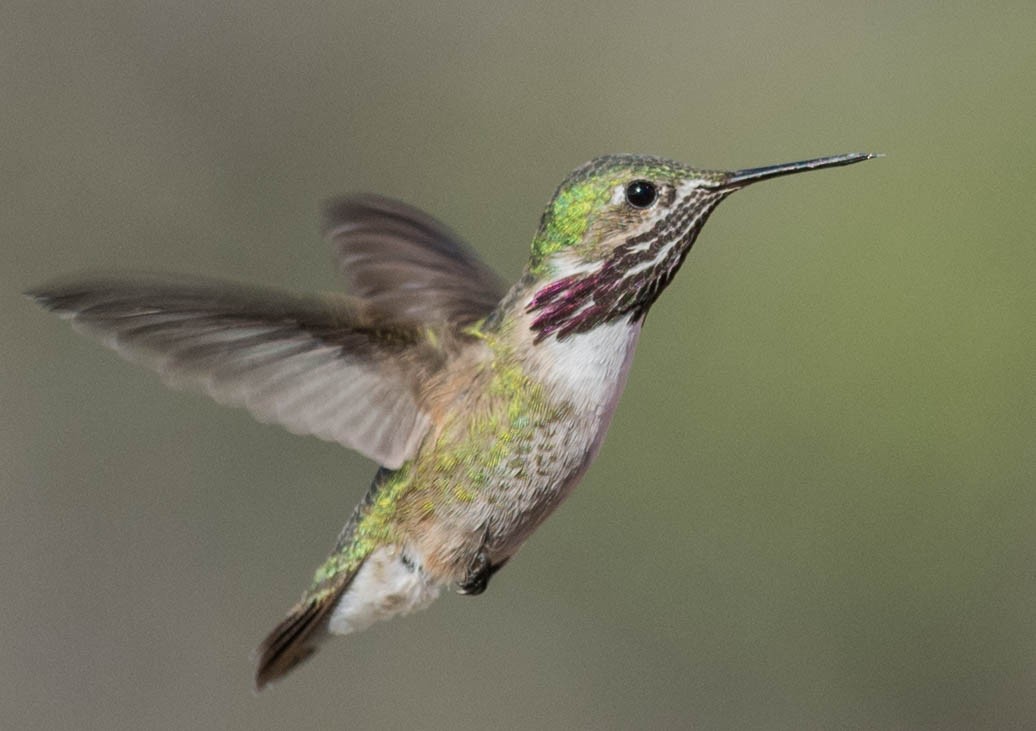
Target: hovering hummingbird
[483,405]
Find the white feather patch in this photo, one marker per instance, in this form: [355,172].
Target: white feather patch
[592,366]
[385,586]
[590,370]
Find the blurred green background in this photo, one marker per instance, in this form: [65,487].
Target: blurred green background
[817,504]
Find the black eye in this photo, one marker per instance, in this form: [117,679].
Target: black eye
[641,194]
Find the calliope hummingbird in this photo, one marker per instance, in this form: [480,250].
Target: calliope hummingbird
[484,404]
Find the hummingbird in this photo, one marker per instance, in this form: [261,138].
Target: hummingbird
[483,404]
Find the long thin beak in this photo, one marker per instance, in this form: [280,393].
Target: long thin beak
[741,178]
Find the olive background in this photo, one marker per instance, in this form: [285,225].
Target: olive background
[816,507]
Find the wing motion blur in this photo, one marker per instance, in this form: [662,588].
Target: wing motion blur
[407,264]
[344,368]
[316,365]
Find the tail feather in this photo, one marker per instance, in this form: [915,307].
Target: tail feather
[298,634]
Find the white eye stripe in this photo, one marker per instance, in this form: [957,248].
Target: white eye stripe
[689,185]
[676,240]
[660,257]
[642,246]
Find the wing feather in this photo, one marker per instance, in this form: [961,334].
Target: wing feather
[408,264]
[315,365]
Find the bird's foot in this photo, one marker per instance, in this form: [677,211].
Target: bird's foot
[476,579]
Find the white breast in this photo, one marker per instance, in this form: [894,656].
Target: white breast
[592,366]
[590,370]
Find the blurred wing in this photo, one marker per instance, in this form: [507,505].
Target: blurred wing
[314,365]
[407,264]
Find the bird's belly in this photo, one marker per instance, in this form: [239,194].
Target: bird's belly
[505,481]
[588,372]
[513,507]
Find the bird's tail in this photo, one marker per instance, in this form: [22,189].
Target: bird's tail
[298,635]
[368,577]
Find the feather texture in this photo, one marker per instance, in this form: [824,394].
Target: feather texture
[316,365]
[407,264]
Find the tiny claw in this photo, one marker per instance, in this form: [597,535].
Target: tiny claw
[477,578]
